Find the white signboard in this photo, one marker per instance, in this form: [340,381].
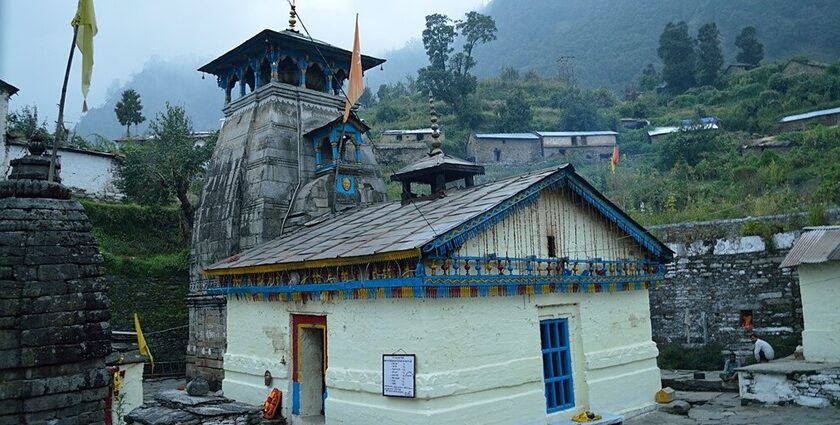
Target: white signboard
[398,375]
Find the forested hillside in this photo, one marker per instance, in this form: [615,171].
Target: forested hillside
[611,40]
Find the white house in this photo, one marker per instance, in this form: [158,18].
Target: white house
[6,91]
[88,173]
[816,255]
[523,301]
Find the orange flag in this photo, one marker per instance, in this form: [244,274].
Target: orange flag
[356,85]
[614,159]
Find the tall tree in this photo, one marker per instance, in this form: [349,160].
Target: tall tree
[709,54]
[515,116]
[448,76]
[649,78]
[164,167]
[676,49]
[129,110]
[752,51]
[580,113]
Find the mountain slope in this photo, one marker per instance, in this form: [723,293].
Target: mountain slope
[159,82]
[612,40]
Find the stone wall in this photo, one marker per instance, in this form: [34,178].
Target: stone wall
[510,150]
[54,331]
[808,388]
[717,278]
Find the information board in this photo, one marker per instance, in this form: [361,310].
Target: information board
[398,372]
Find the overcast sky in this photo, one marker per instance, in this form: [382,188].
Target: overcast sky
[35,36]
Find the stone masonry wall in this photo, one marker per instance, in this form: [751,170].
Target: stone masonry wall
[716,278]
[54,331]
[809,389]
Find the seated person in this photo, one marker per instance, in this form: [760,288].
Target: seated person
[763,351]
[729,367]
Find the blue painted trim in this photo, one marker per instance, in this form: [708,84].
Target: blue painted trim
[420,284]
[564,177]
[295,398]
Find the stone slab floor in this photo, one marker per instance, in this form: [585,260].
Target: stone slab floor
[725,408]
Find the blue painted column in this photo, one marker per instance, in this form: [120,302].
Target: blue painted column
[302,65]
[255,65]
[240,73]
[317,147]
[328,78]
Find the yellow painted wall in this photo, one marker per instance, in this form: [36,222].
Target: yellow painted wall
[819,285]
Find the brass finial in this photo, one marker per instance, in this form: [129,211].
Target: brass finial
[292,17]
[436,143]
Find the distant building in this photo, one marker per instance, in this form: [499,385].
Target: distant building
[738,68]
[88,173]
[705,123]
[802,66]
[403,146]
[420,135]
[525,147]
[770,143]
[504,147]
[592,143]
[6,91]
[799,121]
[634,123]
[199,136]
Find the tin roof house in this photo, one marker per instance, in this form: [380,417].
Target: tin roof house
[518,301]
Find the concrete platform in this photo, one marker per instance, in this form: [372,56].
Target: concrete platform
[683,380]
[606,419]
[787,366]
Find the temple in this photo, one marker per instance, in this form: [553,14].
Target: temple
[283,158]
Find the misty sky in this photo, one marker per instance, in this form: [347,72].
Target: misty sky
[35,37]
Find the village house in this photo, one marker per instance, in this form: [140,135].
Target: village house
[706,123]
[812,380]
[403,146]
[6,91]
[826,117]
[519,301]
[488,148]
[738,68]
[804,67]
[87,173]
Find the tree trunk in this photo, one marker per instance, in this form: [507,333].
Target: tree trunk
[128,131]
[187,210]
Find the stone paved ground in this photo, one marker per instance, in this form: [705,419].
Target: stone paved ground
[153,386]
[725,409]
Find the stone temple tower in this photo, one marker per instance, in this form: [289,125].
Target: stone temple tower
[54,317]
[283,157]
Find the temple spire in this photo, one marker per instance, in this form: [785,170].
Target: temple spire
[292,16]
[436,143]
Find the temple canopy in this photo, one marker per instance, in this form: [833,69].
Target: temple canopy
[285,57]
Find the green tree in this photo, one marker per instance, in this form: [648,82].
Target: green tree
[580,113]
[129,110]
[448,76]
[649,78]
[689,147]
[366,100]
[24,123]
[752,51]
[515,116]
[164,167]
[676,49]
[709,54]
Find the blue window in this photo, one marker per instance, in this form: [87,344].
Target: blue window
[557,364]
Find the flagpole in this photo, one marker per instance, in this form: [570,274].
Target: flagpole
[59,125]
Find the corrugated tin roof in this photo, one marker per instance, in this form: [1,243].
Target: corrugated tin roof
[657,131]
[393,227]
[576,133]
[816,245]
[382,228]
[418,131]
[524,136]
[434,161]
[809,115]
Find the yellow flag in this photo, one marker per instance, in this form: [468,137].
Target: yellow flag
[85,21]
[614,158]
[356,85]
[141,341]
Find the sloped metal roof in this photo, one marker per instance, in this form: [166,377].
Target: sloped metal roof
[524,136]
[381,228]
[398,230]
[816,245]
[809,115]
[435,161]
[576,133]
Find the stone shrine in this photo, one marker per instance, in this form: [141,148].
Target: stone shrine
[283,157]
[54,318]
